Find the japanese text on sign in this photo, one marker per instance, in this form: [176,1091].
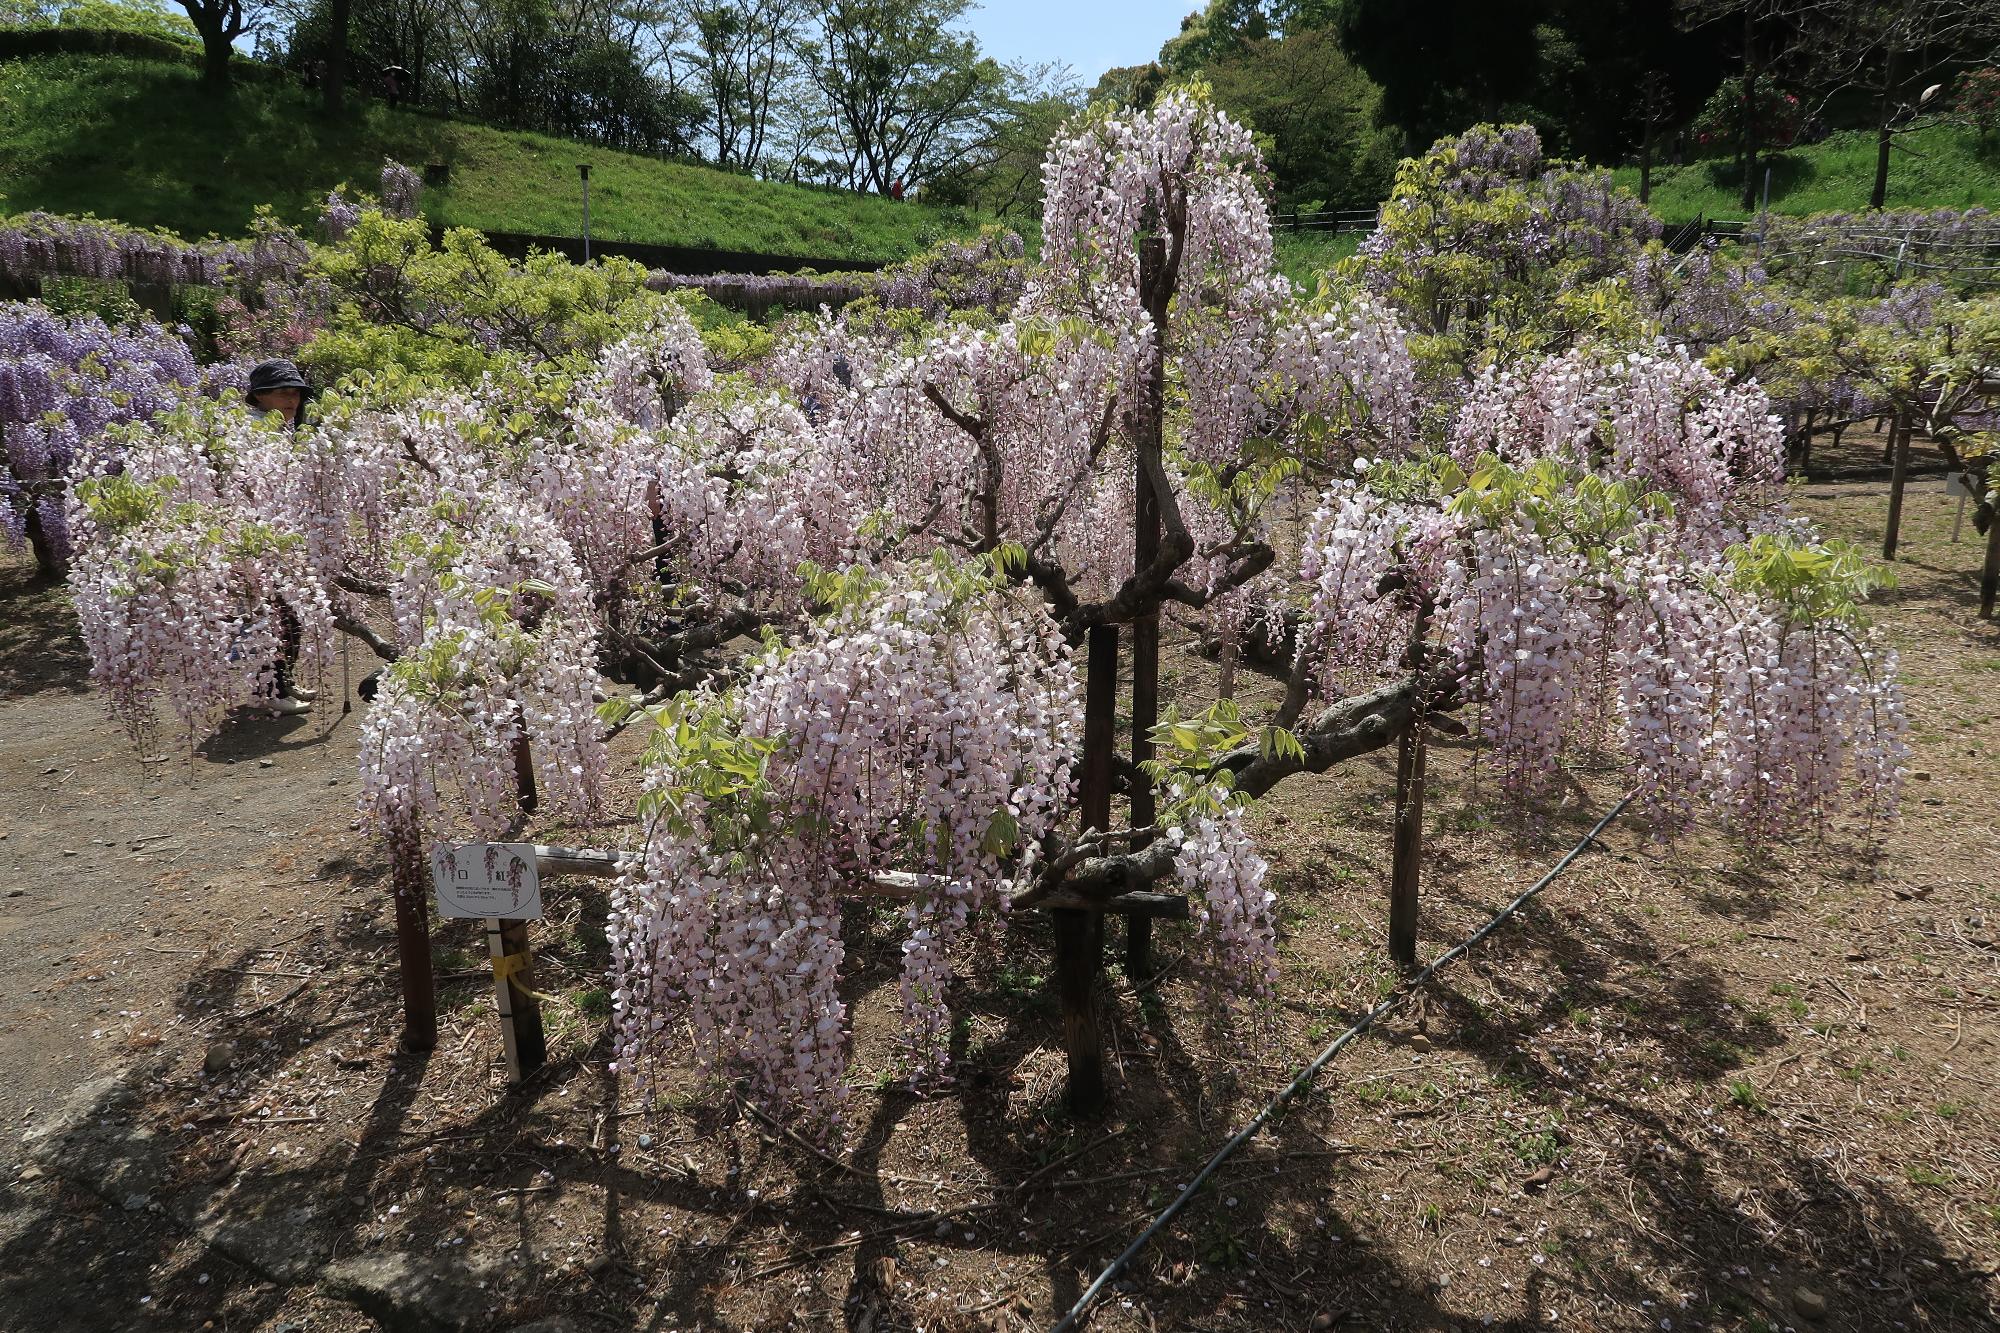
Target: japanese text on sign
[488,879]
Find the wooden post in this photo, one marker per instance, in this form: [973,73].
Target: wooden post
[1899,442]
[521,1034]
[413,939]
[1989,576]
[1403,878]
[1409,836]
[1146,628]
[1079,934]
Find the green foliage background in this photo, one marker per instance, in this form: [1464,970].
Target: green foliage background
[140,142]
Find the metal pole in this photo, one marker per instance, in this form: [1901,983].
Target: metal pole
[583,169]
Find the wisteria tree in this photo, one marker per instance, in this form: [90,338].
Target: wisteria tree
[941,543]
[63,382]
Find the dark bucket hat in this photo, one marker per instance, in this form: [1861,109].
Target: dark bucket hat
[274,374]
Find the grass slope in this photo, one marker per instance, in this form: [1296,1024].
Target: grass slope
[140,142]
[1303,255]
[1944,166]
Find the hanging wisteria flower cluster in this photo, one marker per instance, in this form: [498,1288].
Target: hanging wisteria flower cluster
[185,565]
[924,727]
[34,246]
[1216,861]
[1607,533]
[63,382]
[503,654]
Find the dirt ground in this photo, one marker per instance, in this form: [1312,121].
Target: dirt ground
[1706,1087]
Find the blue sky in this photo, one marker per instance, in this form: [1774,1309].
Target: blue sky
[1090,36]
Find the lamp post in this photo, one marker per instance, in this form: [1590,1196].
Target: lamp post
[583,170]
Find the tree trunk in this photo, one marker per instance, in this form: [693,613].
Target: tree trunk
[339,13]
[1079,934]
[1747,151]
[1646,165]
[215,51]
[1883,132]
[408,878]
[49,564]
[1153,295]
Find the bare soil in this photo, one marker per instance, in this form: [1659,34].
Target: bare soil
[1706,1086]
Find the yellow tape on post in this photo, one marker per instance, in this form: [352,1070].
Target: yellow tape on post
[508,965]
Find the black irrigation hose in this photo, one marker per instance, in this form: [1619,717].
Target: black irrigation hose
[1320,1062]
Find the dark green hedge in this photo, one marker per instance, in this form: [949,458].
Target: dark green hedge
[27,43]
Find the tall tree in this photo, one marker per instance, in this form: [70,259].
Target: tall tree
[1654,109]
[342,14]
[1003,175]
[1442,65]
[909,94]
[220,23]
[1224,29]
[1892,51]
[1314,113]
[1767,35]
[1612,73]
[739,51]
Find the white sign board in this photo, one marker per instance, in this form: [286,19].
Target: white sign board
[488,879]
[1958,483]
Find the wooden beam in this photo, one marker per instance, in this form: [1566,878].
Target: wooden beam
[896,885]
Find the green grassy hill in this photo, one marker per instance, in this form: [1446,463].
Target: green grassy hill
[1937,166]
[139,141]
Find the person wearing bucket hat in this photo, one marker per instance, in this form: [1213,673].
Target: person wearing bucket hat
[276,386]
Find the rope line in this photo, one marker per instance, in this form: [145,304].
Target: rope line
[1320,1062]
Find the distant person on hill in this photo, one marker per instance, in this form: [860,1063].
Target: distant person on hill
[896,188]
[277,387]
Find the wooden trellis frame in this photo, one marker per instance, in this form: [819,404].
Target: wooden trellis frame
[515,998]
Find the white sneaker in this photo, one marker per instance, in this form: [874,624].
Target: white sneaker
[291,706]
[303,694]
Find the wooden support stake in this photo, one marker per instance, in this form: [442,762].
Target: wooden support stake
[411,883]
[514,996]
[1080,935]
[1989,576]
[1079,947]
[1404,870]
[1403,876]
[1899,443]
